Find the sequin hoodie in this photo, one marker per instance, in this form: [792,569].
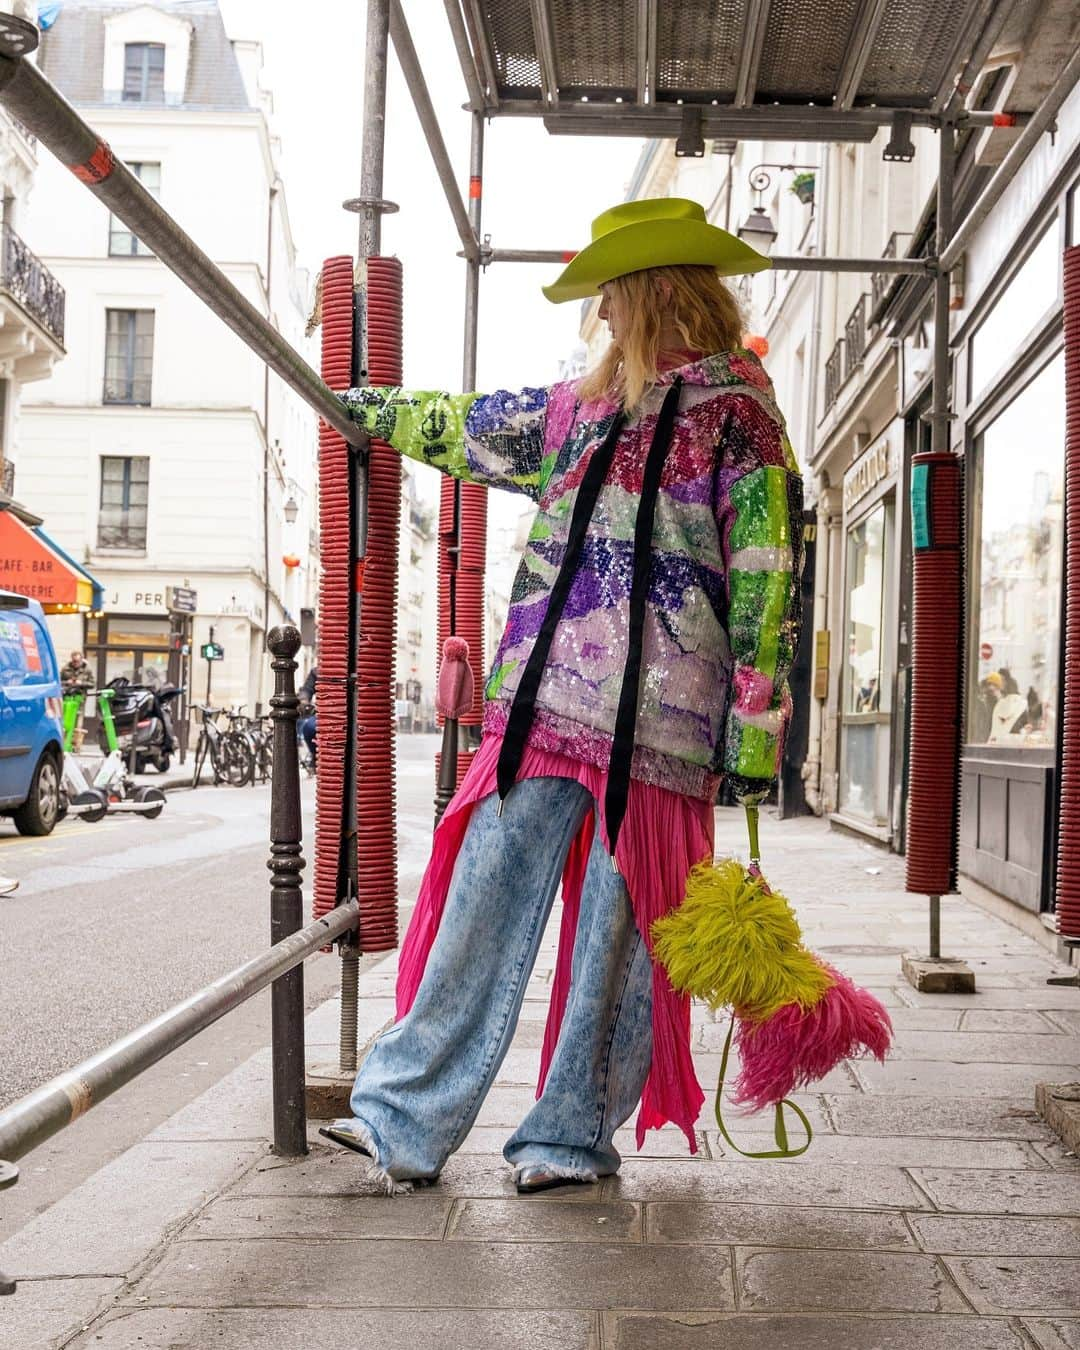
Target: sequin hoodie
[723,613]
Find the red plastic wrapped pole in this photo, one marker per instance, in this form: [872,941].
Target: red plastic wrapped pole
[1068,860]
[334,584]
[376,815]
[938,632]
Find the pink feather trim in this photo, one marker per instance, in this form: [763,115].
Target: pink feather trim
[454,691]
[795,1048]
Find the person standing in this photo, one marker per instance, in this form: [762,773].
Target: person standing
[652,624]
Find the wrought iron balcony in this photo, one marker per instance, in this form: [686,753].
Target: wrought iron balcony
[855,337]
[30,284]
[882,284]
[834,373]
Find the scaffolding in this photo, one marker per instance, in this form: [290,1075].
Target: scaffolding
[676,69]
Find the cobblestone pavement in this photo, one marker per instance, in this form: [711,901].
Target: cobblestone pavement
[933,1209]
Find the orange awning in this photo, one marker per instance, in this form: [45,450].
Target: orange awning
[31,564]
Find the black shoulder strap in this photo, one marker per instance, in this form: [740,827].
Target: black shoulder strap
[522,709]
[622,748]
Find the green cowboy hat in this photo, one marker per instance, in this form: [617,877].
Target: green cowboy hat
[657,232]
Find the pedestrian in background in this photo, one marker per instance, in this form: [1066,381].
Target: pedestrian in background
[652,624]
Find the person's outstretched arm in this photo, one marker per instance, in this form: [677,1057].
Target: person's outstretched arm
[497,439]
[759,510]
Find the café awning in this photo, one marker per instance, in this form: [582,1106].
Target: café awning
[32,564]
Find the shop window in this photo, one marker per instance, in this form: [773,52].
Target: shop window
[129,355]
[1020,490]
[144,72]
[867,672]
[125,484]
[1028,297]
[122,243]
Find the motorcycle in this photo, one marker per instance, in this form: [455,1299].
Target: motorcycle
[142,712]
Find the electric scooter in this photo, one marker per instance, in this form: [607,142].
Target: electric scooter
[112,788]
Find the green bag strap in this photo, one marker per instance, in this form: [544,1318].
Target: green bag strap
[780,1134]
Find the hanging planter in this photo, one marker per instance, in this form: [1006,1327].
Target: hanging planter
[803,187]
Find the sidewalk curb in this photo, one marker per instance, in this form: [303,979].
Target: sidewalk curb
[105,1233]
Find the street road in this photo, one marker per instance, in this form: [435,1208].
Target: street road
[114,922]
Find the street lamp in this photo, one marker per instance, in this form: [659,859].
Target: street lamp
[291,510]
[757,229]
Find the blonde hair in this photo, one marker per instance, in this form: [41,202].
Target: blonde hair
[705,314]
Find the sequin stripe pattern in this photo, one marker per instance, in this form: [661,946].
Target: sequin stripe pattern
[722,616]
[764,612]
[494,439]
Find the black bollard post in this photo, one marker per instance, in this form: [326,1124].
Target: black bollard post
[286,900]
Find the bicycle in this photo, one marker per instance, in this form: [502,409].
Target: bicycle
[231,752]
[261,732]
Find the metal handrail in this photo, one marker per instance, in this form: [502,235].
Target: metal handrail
[30,97]
[29,1122]
[35,1118]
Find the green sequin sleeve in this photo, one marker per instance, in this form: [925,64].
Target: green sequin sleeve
[763,554]
[494,439]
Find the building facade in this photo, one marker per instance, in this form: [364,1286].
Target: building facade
[32,304]
[164,455]
[850,355]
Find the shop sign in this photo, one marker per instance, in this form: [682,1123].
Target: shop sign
[870,469]
[136,597]
[181,599]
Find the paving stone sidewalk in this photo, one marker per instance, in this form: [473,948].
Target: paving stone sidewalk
[933,1209]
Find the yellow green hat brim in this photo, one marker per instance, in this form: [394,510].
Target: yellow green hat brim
[653,243]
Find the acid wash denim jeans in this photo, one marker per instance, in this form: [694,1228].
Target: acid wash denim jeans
[421,1086]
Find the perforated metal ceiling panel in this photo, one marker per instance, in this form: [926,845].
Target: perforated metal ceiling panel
[697,48]
[595,48]
[910,57]
[513,47]
[805,45]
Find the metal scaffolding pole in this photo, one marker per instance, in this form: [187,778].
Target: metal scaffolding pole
[940,415]
[1040,121]
[787,262]
[29,96]
[414,78]
[371,207]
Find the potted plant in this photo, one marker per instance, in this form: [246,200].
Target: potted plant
[803,187]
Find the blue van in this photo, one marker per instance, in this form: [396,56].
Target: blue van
[31,701]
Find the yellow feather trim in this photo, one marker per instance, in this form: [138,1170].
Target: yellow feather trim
[735,942]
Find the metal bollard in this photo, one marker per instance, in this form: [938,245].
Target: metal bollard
[286,900]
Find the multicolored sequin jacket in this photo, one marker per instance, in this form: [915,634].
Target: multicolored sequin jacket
[723,614]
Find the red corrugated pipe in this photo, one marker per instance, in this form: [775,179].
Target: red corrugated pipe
[938,636]
[376,840]
[1068,861]
[334,583]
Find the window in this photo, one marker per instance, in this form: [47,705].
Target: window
[144,72]
[129,355]
[1020,461]
[122,243]
[1032,292]
[868,667]
[125,481]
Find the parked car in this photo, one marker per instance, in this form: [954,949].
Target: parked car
[31,737]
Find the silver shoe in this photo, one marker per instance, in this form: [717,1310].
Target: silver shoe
[535,1177]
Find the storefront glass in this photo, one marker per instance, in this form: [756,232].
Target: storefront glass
[1030,295]
[1020,459]
[867,679]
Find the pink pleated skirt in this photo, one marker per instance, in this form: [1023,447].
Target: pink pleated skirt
[663,835]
